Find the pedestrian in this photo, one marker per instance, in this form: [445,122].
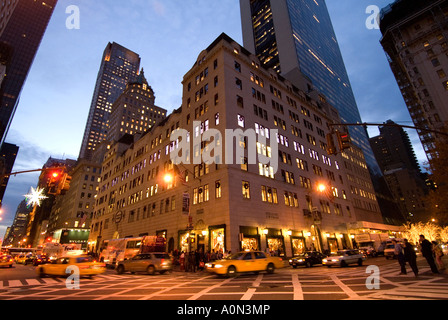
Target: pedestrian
[426,249]
[438,254]
[192,261]
[410,256]
[400,255]
[213,255]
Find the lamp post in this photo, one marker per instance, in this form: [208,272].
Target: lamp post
[186,203]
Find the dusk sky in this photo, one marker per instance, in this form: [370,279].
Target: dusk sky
[168,35]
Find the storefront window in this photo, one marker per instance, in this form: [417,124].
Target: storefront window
[184,242]
[298,246]
[217,238]
[276,246]
[332,245]
[249,244]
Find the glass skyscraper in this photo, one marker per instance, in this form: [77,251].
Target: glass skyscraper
[296,37]
[22,26]
[119,65]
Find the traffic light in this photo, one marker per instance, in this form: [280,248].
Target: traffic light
[331,147]
[344,140]
[55,177]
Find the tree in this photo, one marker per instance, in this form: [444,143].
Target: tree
[430,230]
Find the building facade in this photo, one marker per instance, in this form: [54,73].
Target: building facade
[296,38]
[302,198]
[118,66]
[134,112]
[71,213]
[415,41]
[17,231]
[22,26]
[397,160]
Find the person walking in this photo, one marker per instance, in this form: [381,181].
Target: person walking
[400,255]
[426,249]
[438,254]
[410,256]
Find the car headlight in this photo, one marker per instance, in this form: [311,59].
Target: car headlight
[300,260]
[218,265]
[290,261]
[324,260]
[335,260]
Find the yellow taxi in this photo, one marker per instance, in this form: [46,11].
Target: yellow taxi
[60,267]
[6,260]
[245,261]
[20,259]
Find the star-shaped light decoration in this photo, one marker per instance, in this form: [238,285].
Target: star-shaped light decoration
[35,197]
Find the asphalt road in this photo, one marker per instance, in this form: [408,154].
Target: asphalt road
[316,283]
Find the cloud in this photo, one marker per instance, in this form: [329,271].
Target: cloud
[158,7]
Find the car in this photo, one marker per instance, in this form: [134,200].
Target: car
[368,251]
[307,259]
[245,261]
[6,261]
[146,262]
[41,259]
[87,266]
[389,250]
[20,259]
[343,258]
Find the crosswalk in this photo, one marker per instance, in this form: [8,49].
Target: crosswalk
[297,284]
[6,284]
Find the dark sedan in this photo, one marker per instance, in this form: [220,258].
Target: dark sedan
[40,259]
[307,259]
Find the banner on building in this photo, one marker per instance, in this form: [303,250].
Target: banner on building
[186,203]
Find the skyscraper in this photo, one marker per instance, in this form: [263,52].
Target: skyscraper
[415,41]
[296,38]
[134,111]
[397,160]
[119,65]
[22,26]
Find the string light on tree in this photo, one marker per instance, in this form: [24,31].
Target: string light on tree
[35,197]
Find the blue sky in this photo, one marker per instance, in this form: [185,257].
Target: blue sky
[168,35]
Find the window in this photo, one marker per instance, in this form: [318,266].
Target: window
[291,199]
[445,85]
[241,121]
[244,163]
[435,62]
[216,118]
[239,101]
[246,190]
[265,170]
[239,84]
[218,189]
[237,66]
[269,194]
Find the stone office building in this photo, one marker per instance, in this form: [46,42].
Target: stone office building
[307,202]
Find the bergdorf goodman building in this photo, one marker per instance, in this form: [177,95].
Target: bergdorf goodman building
[302,198]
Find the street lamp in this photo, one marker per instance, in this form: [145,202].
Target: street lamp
[321,187]
[168,178]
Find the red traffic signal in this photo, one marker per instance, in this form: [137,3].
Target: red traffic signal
[344,140]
